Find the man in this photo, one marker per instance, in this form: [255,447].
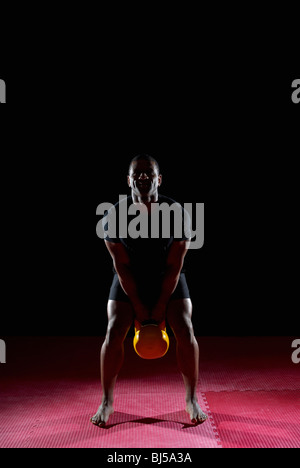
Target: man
[149,283]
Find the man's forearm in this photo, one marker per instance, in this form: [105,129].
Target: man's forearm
[169,283]
[128,284]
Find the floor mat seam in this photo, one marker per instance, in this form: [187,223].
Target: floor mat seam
[211,420]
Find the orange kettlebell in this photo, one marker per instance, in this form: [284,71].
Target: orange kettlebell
[151,340]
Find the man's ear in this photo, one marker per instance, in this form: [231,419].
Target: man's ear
[159,180]
[128,181]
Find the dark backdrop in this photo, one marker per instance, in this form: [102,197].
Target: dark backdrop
[223,136]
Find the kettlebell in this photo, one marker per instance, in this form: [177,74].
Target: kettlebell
[151,340]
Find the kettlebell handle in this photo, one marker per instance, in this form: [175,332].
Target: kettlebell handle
[139,325]
[149,322]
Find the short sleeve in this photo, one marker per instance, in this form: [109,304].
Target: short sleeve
[110,228]
[187,227]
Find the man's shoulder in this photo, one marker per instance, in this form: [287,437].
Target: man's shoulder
[127,200]
[123,200]
[165,199]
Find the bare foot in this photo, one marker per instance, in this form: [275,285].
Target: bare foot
[103,413]
[196,414]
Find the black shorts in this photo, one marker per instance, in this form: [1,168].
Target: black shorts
[149,292]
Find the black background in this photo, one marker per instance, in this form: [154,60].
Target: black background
[224,130]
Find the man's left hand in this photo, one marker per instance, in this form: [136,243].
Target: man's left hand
[158,313]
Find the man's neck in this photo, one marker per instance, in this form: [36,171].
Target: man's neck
[147,200]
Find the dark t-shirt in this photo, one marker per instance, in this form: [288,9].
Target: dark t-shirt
[148,255]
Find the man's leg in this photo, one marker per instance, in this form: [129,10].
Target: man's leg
[120,318]
[179,316]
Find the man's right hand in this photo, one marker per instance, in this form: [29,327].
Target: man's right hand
[142,313]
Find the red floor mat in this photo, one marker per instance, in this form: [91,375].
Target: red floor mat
[259,419]
[55,411]
[49,389]
[247,363]
[59,417]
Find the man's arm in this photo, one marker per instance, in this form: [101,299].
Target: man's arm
[175,261]
[121,263]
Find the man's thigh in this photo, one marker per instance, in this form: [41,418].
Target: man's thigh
[179,315]
[120,314]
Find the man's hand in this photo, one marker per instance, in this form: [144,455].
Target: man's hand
[142,313]
[158,313]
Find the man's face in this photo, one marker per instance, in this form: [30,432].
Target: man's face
[144,178]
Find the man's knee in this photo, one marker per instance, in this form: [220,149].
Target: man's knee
[185,332]
[116,331]
[120,317]
[180,320]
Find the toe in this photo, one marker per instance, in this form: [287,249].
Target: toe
[95,420]
[201,417]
